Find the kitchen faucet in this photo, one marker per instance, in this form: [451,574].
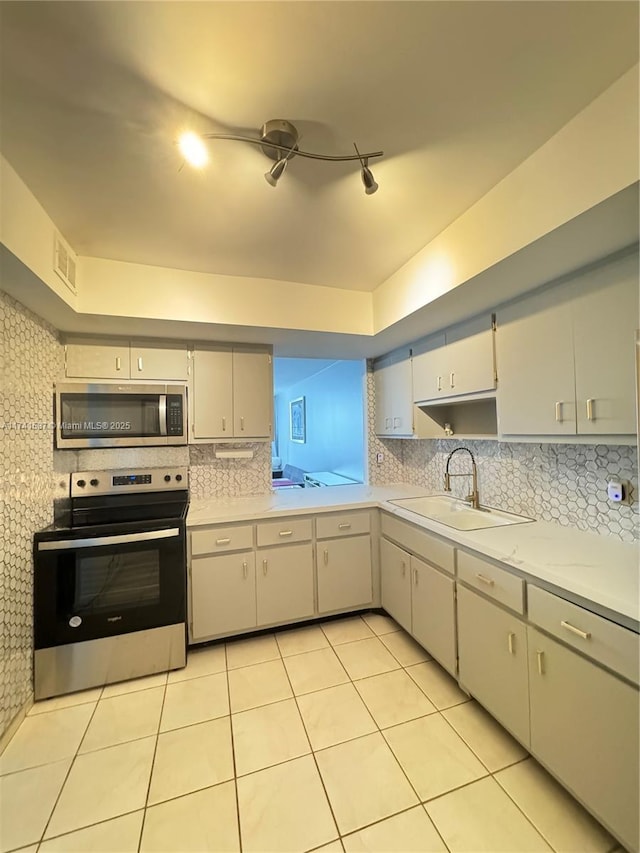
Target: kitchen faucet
[473,497]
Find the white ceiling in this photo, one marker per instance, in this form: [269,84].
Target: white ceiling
[457,94]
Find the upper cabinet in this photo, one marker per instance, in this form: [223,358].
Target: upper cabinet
[232,393]
[93,358]
[393,400]
[460,362]
[566,357]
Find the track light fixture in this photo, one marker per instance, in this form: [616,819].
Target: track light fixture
[279,141]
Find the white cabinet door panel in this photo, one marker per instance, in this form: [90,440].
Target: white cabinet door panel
[433,613]
[395,580]
[284,583]
[223,594]
[213,393]
[86,359]
[167,362]
[252,393]
[344,573]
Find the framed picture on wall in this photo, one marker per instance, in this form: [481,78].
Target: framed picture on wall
[297,424]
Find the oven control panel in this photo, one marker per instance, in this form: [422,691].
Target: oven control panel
[85,483]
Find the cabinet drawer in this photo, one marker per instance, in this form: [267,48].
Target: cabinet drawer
[345,524]
[422,544]
[281,532]
[221,539]
[612,645]
[497,583]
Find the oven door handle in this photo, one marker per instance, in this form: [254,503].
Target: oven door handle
[101,541]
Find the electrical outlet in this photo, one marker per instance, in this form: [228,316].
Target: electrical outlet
[379,458]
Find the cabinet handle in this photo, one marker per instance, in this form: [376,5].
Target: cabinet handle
[223,541]
[387,423]
[326,556]
[559,411]
[242,423]
[286,533]
[439,386]
[540,656]
[245,569]
[452,380]
[264,567]
[396,422]
[586,635]
[487,581]
[344,526]
[511,644]
[590,415]
[118,363]
[140,362]
[415,577]
[403,565]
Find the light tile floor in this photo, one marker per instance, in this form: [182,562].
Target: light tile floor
[343,736]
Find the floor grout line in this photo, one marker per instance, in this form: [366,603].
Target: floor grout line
[153,762]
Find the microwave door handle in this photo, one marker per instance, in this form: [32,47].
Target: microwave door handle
[162,413]
[101,541]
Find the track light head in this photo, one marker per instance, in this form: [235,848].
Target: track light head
[275,172]
[370,185]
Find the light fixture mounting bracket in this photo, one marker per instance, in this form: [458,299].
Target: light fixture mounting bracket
[280,133]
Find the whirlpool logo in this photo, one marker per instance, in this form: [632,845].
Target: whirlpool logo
[114,618]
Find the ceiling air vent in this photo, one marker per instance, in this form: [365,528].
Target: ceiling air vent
[64,262]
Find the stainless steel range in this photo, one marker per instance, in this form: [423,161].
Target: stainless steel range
[110,581]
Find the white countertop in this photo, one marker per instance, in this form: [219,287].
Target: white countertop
[593,569]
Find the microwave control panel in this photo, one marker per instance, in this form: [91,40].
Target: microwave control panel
[175,425]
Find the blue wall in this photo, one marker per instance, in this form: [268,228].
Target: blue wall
[335,421]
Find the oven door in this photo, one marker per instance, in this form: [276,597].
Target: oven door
[90,584]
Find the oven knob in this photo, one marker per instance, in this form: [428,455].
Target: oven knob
[167,478]
[179,478]
[94,482]
[81,483]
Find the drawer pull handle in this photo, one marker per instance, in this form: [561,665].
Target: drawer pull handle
[485,580]
[590,415]
[223,541]
[264,567]
[286,533]
[326,557]
[245,569]
[540,656]
[344,526]
[559,411]
[586,635]
[404,568]
[511,643]
[140,363]
[118,363]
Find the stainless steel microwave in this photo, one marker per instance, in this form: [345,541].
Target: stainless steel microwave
[93,415]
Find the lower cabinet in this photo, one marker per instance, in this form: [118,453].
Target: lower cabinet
[223,596]
[421,599]
[433,621]
[284,583]
[492,660]
[395,582]
[344,573]
[584,728]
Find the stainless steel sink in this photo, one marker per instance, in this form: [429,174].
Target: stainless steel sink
[458,514]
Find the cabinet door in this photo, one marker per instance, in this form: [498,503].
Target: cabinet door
[605,318]
[401,381]
[344,573]
[212,393]
[470,363]
[252,393]
[167,362]
[433,613]
[98,360]
[584,728]
[223,594]
[429,369]
[395,580]
[492,661]
[534,356]
[383,398]
[284,583]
